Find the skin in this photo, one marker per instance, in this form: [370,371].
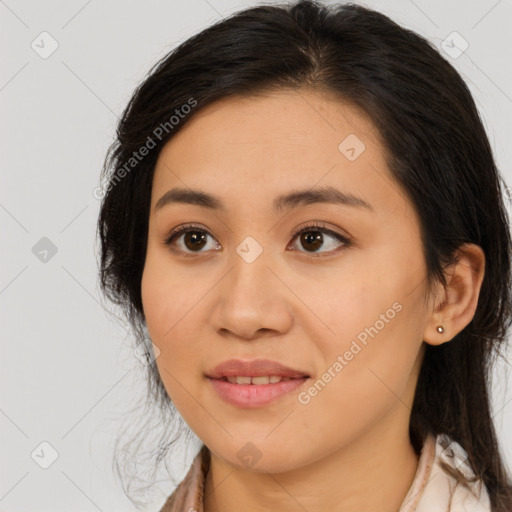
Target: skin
[294,307]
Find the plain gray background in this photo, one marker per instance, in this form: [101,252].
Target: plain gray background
[67,368]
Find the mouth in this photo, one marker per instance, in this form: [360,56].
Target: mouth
[255,371]
[251,394]
[256,383]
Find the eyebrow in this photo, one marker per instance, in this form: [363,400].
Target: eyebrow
[326,194]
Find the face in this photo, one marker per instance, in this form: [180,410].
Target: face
[329,285]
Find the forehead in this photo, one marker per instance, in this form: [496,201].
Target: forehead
[282,121]
[264,145]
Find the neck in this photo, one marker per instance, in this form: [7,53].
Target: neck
[373,472]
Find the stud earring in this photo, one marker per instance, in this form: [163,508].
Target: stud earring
[440,329]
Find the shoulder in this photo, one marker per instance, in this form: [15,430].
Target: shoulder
[442,490]
[434,488]
[188,496]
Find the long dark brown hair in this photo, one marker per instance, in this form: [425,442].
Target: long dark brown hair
[438,152]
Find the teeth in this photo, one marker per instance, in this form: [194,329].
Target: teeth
[257,380]
[260,380]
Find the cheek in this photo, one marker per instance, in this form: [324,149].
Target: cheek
[170,299]
[169,296]
[156,288]
[375,321]
[368,374]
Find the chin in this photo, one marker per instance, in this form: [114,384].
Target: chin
[259,456]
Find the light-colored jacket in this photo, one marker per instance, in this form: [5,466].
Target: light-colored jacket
[433,488]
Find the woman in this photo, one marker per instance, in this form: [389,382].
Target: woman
[304,216]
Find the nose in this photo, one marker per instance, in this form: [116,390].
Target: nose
[252,301]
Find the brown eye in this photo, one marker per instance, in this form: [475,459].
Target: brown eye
[192,239]
[313,237]
[312,240]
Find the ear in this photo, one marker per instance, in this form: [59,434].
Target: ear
[456,304]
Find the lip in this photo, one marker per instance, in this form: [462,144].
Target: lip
[254,395]
[254,368]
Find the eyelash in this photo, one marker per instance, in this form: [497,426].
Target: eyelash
[315,226]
